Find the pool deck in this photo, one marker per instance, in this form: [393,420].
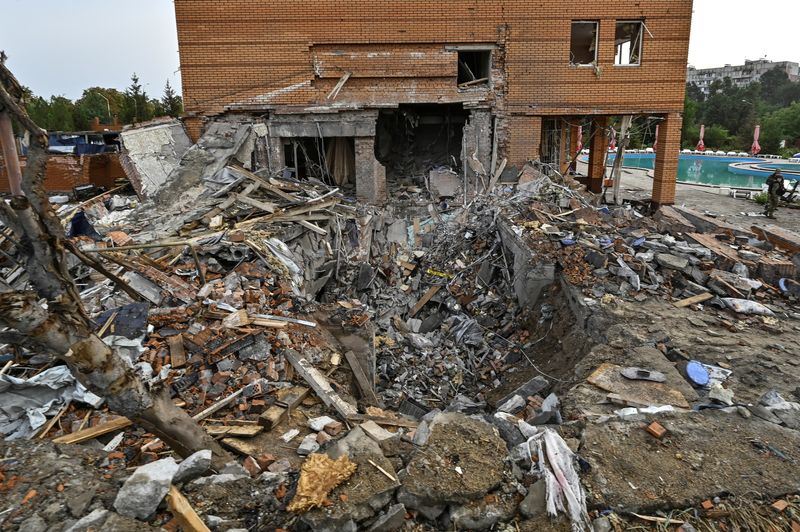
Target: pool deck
[636,185]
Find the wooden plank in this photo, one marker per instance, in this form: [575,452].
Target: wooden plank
[183,512]
[264,206]
[319,383]
[245,447]
[177,354]
[432,291]
[317,229]
[272,417]
[694,299]
[367,388]
[93,432]
[239,431]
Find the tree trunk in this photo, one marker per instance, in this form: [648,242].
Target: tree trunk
[63,329]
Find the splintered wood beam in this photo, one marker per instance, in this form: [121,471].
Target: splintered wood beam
[432,291]
[93,432]
[319,383]
[183,512]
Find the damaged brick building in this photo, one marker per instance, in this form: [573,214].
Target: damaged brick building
[372,92]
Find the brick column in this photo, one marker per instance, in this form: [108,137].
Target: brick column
[667,151]
[194,126]
[597,153]
[370,174]
[525,137]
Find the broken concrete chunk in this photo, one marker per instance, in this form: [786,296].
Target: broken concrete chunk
[308,445]
[319,423]
[289,435]
[513,405]
[672,262]
[535,503]
[530,388]
[392,519]
[195,466]
[145,489]
[93,521]
[376,432]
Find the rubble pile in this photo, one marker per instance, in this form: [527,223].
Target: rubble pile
[424,364]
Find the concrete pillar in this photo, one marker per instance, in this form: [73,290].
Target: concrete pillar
[276,159]
[564,148]
[9,147]
[370,174]
[597,153]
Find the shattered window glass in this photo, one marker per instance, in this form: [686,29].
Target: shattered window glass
[628,43]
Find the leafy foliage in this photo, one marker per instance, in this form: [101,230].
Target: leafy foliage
[129,106]
[730,114]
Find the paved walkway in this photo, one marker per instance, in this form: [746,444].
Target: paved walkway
[637,185]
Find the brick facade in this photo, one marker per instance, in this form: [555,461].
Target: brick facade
[64,172]
[267,56]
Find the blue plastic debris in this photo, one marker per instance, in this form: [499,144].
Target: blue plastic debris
[697,373]
[638,242]
[567,242]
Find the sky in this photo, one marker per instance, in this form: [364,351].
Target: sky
[64,46]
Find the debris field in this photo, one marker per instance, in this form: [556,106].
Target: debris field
[521,358]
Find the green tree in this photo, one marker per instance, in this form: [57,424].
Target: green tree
[99,102]
[136,106]
[782,126]
[718,138]
[172,104]
[61,115]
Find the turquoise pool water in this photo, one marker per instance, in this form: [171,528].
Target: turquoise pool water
[704,169]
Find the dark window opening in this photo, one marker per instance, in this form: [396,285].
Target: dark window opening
[583,45]
[330,159]
[474,67]
[412,140]
[628,43]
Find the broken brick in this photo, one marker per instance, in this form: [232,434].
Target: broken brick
[323,438]
[656,430]
[265,460]
[707,504]
[334,428]
[780,505]
[252,467]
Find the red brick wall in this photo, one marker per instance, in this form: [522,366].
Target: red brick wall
[258,53]
[64,172]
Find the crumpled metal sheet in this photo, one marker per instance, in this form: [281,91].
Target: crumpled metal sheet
[26,403]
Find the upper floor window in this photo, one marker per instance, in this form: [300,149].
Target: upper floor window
[583,45]
[628,43]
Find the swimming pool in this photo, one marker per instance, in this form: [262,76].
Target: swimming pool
[703,169]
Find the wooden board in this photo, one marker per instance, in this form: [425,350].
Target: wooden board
[245,447]
[432,291]
[694,299]
[779,237]
[608,378]
[367,388]
[319,383]
[239,431]
[177,355]
[272,417]
[93,432]
[184,513]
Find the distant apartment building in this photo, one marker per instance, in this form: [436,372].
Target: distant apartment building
[741,75]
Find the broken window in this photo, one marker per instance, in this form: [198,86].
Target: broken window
[583,46]
[628,43]
[474,67]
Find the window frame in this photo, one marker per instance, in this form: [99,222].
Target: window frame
[595,61]
[487,49]
[641,42]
